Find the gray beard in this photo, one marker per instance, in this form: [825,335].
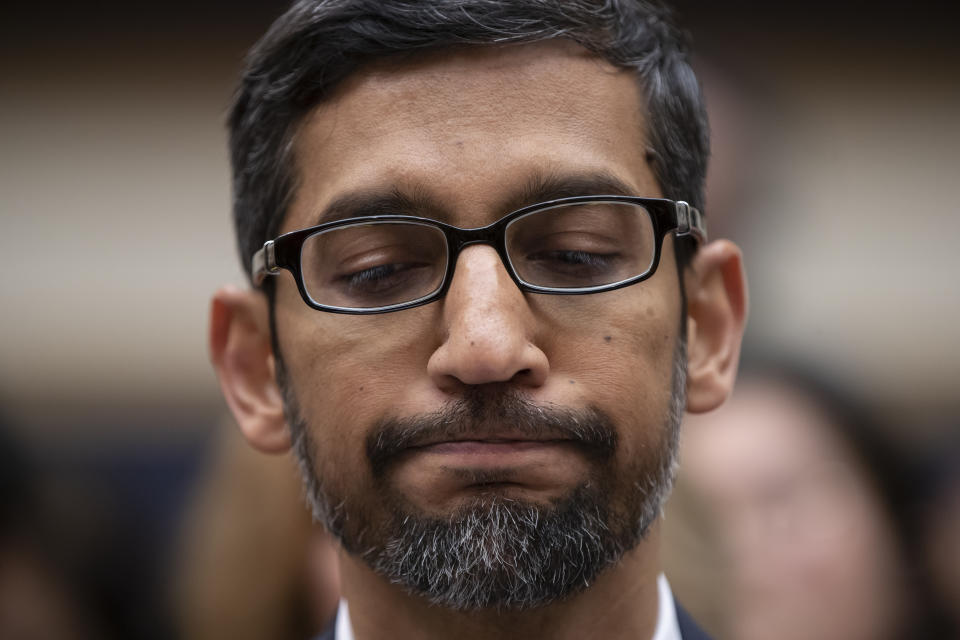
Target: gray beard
[495,552]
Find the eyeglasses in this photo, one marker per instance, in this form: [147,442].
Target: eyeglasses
[579,245]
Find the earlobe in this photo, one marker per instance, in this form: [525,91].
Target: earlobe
[716,316]
[241,353]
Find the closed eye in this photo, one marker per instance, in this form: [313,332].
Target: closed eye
[573,257]
[381,278]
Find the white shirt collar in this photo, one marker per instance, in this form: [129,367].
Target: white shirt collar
[667,626]
[344,630]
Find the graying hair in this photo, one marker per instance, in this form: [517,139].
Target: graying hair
[502,553]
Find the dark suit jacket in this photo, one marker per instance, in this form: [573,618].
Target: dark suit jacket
[688,628]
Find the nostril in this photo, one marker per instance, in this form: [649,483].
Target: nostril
[523,375]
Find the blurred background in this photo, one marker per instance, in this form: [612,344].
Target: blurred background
[835,135]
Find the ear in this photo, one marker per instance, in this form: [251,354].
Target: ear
[716,290]
[241,353]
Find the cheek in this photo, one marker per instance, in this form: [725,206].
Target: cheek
[616,350]
[349,371]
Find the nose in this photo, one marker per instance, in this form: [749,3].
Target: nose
[488,328]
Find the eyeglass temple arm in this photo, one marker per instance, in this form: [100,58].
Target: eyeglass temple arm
[690,222]
[264,263]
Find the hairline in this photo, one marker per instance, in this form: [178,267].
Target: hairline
[289,157]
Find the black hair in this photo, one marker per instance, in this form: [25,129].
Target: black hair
[317,43]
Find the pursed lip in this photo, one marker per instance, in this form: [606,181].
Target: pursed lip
[444,467]
[505,439]
[509,431]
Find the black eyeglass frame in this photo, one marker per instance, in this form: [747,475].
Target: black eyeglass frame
[666,216]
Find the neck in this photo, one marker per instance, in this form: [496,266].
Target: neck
[621,603]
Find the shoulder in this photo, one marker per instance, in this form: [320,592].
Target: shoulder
[688,628]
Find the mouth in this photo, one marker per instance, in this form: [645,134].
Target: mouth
[520,467]
[494,444]
[488,446]
[510,434]
[473,440]
[505,457]
[512,448]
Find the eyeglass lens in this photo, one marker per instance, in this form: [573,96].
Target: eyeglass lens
[380,264]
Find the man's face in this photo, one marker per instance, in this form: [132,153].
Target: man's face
[467,137]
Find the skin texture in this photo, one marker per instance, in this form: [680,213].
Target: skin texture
[469,131]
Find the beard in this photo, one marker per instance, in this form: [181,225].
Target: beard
[496,552]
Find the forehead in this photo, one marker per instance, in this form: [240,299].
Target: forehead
[468,128]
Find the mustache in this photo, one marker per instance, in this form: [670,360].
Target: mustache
[481,412]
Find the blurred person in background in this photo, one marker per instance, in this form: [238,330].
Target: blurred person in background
[39,599]
[936,527]
[252,565]
[493,463]
[806,509]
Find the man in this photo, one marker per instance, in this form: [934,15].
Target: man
[481,303]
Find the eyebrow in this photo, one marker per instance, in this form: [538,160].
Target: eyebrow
[379,202]
[539,187]
[553,185]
